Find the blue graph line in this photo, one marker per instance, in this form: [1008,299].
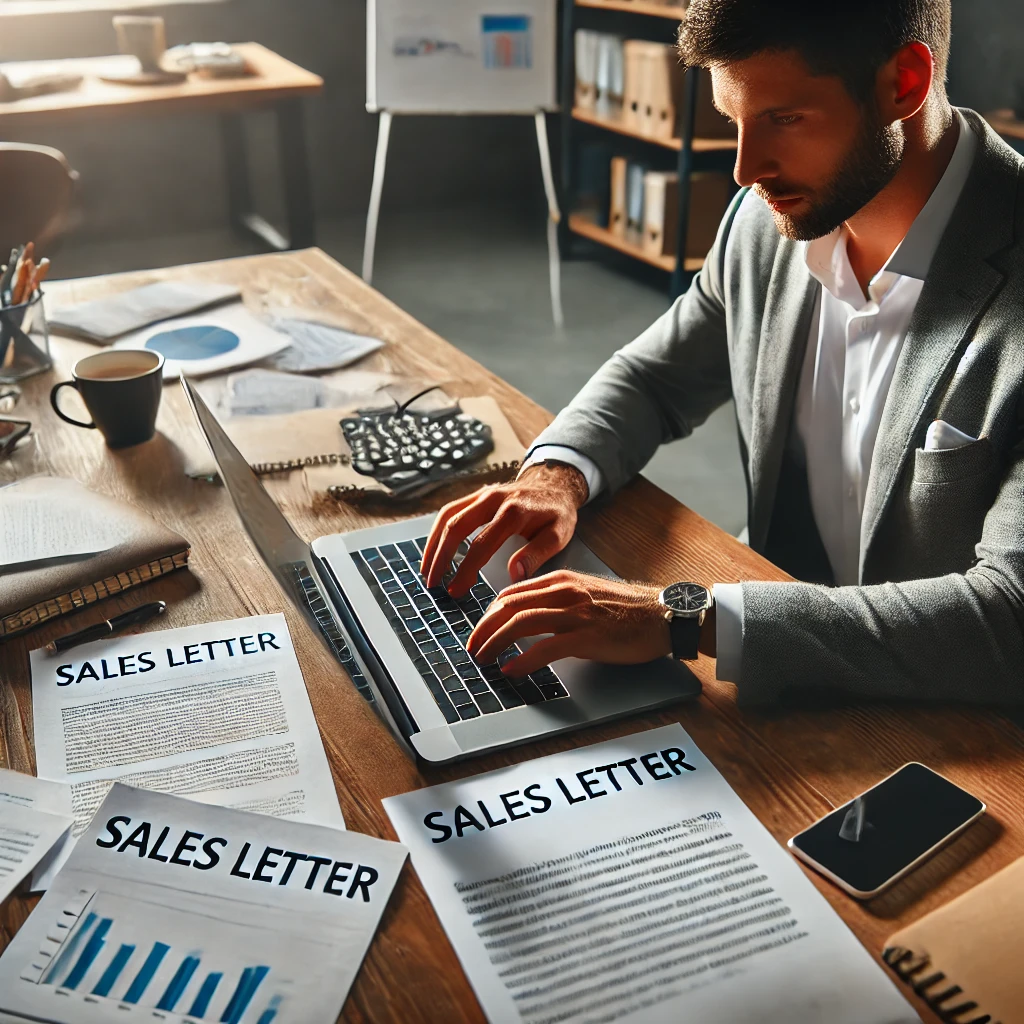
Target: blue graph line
[239,1002]
[72,944]
[145,975]
[202,1000]
[89,954]
[113,971]
[270,1012]
[182,976]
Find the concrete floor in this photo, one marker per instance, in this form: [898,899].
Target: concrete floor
[479,279]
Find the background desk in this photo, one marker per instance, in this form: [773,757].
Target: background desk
[274,82]
[789,767]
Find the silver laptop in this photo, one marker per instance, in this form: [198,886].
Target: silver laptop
[404,645]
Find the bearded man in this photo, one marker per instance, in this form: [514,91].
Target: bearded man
[863,305]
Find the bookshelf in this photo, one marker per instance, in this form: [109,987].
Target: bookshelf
[653,10]
[640,19]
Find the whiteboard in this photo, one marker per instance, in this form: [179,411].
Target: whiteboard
[460,56]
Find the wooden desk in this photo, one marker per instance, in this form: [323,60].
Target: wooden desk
[275,82]
[789,767]
[1005,122]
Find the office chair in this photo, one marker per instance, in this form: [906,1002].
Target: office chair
[37,191]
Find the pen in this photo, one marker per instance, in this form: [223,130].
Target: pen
[133,618]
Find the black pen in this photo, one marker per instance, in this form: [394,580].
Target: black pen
[136,616]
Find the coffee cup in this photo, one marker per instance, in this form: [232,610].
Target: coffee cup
[121,389]
[142,36]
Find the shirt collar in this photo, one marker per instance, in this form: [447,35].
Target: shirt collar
[826,256]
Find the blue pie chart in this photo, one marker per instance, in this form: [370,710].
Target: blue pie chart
[200,342]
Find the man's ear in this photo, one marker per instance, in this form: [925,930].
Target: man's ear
[905,82]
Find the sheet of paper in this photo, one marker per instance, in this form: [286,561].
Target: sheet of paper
[52,798]
[171,910]
[626,881]
[259,392]
[212,342]
[34,817]
[50,520]
[218,712]
[316,347]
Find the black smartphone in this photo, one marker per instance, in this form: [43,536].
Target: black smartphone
[875,839]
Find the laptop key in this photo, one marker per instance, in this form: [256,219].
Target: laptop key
[390,552]
[468,671]
[451,715]
[421,544]
[508,697]
[551,691]
[451,683]
[477,686]
[468,711]
[409,549]
[459,697]
[488,703]
[544,675]
[529,692]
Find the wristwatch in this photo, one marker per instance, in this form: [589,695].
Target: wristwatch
[685,606]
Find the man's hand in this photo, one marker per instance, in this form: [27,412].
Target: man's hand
[540,506]
[590,616]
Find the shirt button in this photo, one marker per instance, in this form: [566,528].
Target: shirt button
[854,405]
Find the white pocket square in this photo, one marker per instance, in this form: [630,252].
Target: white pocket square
[943,437]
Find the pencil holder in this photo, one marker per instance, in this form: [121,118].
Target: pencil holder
[24,340]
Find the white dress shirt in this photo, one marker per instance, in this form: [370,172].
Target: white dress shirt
[852,350]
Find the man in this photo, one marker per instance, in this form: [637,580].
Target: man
[863,305]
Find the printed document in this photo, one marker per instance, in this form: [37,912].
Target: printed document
[218,712]
[626,881]
[35,815]
[170,910]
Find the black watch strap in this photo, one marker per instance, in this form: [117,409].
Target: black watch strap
[685,635]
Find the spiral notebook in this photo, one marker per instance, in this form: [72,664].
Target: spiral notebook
[963,959]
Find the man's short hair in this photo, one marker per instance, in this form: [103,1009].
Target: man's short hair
[834,37]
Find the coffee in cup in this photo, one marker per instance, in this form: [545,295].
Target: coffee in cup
[121,389]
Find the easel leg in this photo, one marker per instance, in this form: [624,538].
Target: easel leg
[373,213]
[554,216]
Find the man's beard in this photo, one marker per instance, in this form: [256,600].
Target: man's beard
[871,165]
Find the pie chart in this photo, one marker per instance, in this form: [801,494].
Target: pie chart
[203,341]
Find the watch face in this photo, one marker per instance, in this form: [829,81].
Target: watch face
[685,598]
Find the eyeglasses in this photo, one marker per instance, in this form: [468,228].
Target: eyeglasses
[12,433]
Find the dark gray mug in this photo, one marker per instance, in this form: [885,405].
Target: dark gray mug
[121,389]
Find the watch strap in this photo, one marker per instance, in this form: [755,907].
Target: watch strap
[685,636]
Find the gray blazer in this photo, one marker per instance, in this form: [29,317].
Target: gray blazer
[939,612]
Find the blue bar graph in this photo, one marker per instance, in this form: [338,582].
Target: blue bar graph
[270,1012]
[89,954]
[145,975]
[202,1000]
[246,989]
[182,976]
[113,971]
[70,946]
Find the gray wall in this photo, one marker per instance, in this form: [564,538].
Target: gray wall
[987,60]
[146,177]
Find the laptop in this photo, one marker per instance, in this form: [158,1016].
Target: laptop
[403,645]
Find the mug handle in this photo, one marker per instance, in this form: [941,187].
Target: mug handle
[56,408]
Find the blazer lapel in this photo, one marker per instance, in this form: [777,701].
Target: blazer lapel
[783,342]
[959,286]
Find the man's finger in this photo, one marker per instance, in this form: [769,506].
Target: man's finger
[544,652]
[501,611]
[545,544]
[439,524]
[531,622]
[456,530]
[507,523]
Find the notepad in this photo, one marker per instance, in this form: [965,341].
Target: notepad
[964,958]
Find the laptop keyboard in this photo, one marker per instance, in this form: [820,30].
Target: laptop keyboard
[434,627]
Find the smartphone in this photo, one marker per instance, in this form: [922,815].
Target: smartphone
[878,837]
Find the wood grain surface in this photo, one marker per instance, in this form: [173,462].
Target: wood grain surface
[790,766]
[273,78]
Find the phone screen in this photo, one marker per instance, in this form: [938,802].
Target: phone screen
[870,840]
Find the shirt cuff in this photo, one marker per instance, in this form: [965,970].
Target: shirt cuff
[729,631]
[571,457]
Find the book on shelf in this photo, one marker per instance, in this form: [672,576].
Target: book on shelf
[617,209]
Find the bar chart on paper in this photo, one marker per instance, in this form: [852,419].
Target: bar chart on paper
[146,956]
